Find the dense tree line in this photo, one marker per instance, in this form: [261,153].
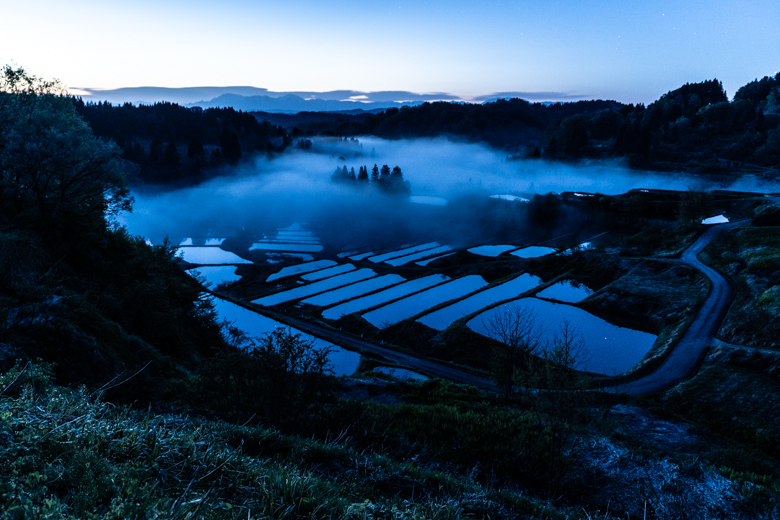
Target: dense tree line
[694,125]
[384,179]
[171,143]
[505,124]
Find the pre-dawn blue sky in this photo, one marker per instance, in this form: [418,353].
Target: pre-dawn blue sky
[626,50]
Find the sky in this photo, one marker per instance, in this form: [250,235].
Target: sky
[630,51]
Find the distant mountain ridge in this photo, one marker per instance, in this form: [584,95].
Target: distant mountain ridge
[291,104]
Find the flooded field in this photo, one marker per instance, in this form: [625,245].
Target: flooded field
[209,256]
[294,270]
[354,290]
[315,287]
[566,291]
[533,251]
[327,273]
[216,274]
[378,298]
[415,304]
[609,349]
[491,251]
[445,317]
[343,362]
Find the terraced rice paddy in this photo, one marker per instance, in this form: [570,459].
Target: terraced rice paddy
[361,256]
[427,261]
[443,318]
[415,304]
[719,219]
[315,288]
[402,252]
[344,362]
[395,262]
[294,270]
[609,349]
[354,290]
[326,273]
[214,241]
[533,251]
[283,246]
[378,298]
[210,256]
[491,251]
[566,291]
[216,274]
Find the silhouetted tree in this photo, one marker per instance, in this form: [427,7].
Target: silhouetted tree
[156,149]
[194,148]
[363,174]
[375,174]
[231,148]
[171,155]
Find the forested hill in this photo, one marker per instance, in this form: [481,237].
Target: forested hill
[506,124]
[173,144]
[693,127]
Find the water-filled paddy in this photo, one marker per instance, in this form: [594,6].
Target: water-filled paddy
[718,219]
[566,291]
[327,273]
[301,268]
[315,287]
[285,246]
[214,241]
[216,274]
[443,318]
[344,362]
[491,250]
[401,260]
[354,290]
[415,304]
[533,251]
[372,300]
[403,252]
[427,261]
[609,349]
[361,256]
[210,256]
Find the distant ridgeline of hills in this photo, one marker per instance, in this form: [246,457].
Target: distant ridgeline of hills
[694,128]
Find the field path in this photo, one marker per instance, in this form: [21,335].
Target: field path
[687,354]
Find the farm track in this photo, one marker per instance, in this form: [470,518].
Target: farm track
[688,353]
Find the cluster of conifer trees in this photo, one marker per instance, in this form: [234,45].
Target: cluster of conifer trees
[389,181]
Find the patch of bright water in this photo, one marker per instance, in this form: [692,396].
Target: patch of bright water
[533,251]
[327,273]
[566,291]
[429,260]
[401,260]
[372,300]
[513,198]
[491,250]
[275,258]
[344,362]
[214,241]
[354,290]
[718,219]
[186,242]
[216,274]
[209,256]
[295,226]
[609,349]
[403,252]
[361,256]
[415,304]
[315,288]
[300,268]
[433,201]
[401,373]
[278,246]
[443,318]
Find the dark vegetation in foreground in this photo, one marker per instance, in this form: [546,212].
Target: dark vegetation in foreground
[121,397]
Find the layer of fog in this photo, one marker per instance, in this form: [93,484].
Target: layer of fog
[266,193]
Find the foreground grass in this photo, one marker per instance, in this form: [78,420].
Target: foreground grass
[67,454]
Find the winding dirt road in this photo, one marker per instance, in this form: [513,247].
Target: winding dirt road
[689,351]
